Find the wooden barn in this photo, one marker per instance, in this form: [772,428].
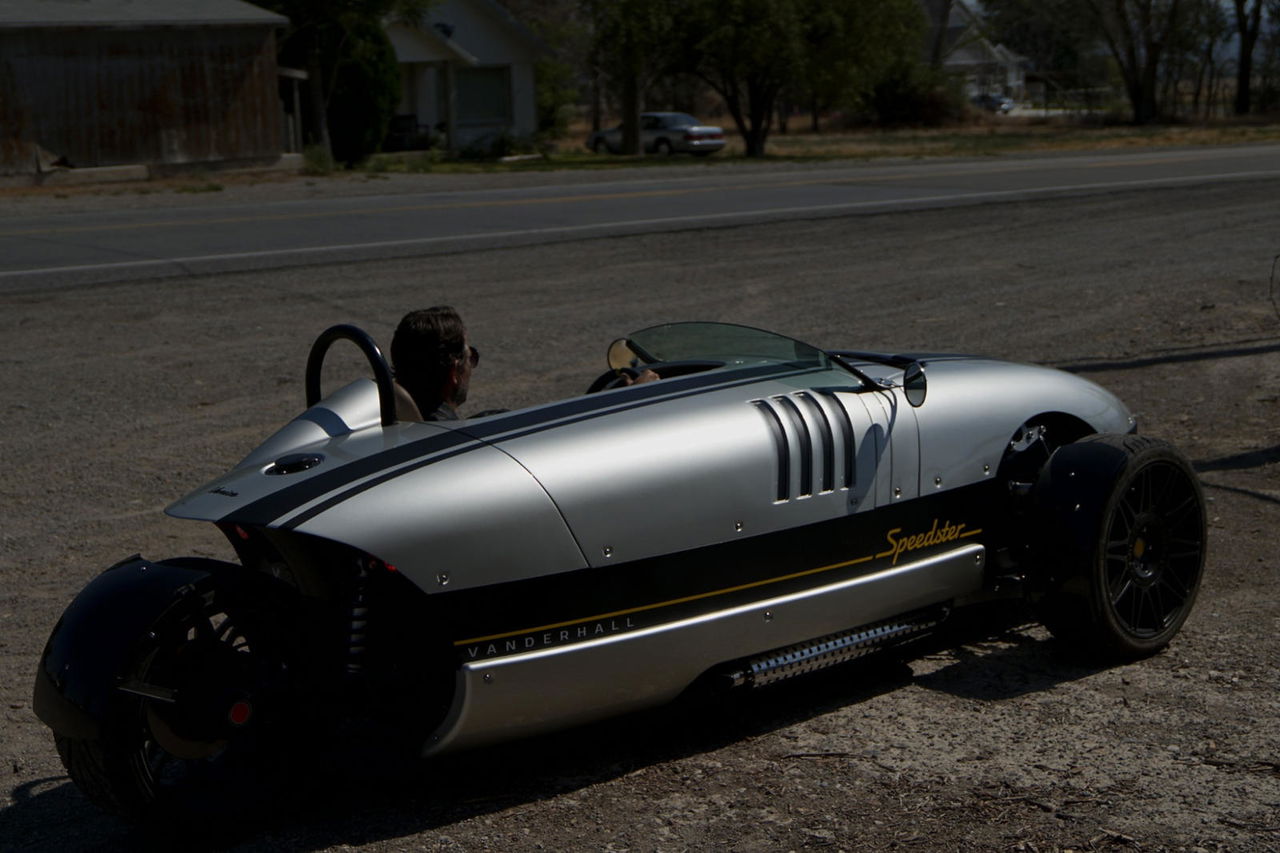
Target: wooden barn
[87,83]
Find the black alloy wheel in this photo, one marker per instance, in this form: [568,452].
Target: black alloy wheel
[200,724]
[1123,540]
[1153,550]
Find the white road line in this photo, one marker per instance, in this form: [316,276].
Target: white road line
[708,218]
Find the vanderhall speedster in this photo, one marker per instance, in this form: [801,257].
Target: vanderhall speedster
[763,510]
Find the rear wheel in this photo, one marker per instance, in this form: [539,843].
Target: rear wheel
[202,719]
[1125,525]
[662,148]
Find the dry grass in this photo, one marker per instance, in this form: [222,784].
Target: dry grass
[980,136]
[1007,135]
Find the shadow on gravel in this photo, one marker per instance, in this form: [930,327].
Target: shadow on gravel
[1106,366]
[1241,461]
[366,797]
[1248,493]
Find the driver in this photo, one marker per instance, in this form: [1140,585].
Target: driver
[432,360]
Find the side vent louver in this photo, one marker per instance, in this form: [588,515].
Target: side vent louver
[806,442]
[802,418]
[846,432]
[828,442]
[784,449]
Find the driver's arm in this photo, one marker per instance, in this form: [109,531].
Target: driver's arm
[646,375]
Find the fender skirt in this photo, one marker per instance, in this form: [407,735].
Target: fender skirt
[1072,493]
[92,642]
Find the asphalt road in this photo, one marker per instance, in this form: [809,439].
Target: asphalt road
[52,250]
[118,398]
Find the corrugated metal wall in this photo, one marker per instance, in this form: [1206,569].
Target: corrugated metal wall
[105,97]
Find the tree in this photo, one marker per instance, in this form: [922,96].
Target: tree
[940,17]
[1269,62]
[850,46]
[751,51]
[364,93]
[343,48]
[1207,30]
[747,51]
[1248,24]
[1137,33]
[560,71]
[633,45]
[1059,42]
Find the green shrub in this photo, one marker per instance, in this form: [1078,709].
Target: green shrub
[316,160]
[914,95]
[365,94]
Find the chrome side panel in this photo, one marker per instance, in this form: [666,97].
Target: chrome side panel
[528,693]
[703,469]
[468,520]
[974,405]
[349,409]
[896,421]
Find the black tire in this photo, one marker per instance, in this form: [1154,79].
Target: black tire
[201,724]
[1124,524]
[599,147]
[662,148]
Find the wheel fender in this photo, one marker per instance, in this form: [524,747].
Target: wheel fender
[90,644]
[1071,496]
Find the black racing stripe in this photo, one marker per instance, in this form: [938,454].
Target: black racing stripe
[639,395]
[518,425]
[283,500]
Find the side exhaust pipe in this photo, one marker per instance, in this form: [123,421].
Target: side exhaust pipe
[812,655]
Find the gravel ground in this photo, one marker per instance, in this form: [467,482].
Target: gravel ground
[120,398]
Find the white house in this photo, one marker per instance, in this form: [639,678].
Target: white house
[966,51]
[466,73]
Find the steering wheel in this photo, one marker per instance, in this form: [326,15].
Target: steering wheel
[615,378]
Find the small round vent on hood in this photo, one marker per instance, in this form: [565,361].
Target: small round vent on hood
[294,462]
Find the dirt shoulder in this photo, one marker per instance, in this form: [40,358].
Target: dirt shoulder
[120,398]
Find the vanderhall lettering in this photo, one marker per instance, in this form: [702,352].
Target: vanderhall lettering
[546,639]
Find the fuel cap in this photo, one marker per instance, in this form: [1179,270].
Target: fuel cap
[294,462]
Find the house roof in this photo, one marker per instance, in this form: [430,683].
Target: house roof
[441,40]
[134,13]
[460,31]
[966,44]
[503,14]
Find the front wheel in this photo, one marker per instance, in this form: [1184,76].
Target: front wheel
[200,722]
[1124,524]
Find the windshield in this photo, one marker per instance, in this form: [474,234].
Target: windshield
[720,342]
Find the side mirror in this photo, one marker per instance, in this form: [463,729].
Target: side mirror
[914,386]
